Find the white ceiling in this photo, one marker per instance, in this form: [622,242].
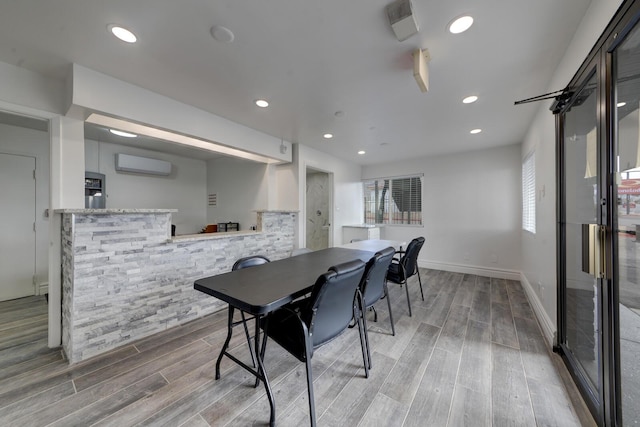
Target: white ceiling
[312,59]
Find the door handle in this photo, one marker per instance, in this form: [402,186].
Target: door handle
[593,250]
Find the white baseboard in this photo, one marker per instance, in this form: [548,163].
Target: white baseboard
[471,269]
[42,288]
[548,328]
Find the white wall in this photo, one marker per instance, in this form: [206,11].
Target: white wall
[471,210]
[539,250]
[34,143]
[241,188]
[26,92]
[97,92]
[185,189]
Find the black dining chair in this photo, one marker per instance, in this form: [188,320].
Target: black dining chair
[373,287]
[303,326]
[246,262]
[402,268]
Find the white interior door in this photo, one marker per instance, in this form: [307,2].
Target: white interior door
[17,219]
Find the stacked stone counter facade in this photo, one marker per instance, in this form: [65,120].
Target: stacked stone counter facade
[125,277]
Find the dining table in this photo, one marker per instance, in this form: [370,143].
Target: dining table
[264,288]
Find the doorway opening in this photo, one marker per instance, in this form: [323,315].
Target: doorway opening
[318,209]
[24,264]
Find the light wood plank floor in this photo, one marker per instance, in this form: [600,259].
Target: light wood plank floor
[471,354]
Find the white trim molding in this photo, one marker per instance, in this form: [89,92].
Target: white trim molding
[498,273]
[546,324]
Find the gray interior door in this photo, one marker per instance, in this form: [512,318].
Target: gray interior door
[17,219]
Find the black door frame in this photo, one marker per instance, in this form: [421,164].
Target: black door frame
[606,407]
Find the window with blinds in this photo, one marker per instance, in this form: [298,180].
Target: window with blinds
[393,200]
[529,193]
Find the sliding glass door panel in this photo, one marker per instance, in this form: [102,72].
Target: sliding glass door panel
[626,60]
[581,210]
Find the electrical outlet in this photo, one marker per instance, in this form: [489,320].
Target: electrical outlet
[493,258]
[466,256]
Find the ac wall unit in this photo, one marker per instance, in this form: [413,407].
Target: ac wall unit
[135,164]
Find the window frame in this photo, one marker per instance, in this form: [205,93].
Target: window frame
[415,202]
[529,193]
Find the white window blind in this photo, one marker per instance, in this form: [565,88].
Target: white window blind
[529,193]
[395,200]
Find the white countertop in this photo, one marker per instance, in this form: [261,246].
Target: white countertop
[363,226]
[211,236]
[113,211]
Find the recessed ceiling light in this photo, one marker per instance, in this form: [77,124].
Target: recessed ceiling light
[470,99]
[222,34]
[122,33]
[327,136]
[361,152]
[460,24]
[621,104]
[474,131]
[123,133]
[262,103]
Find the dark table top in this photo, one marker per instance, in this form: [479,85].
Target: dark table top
[264,288]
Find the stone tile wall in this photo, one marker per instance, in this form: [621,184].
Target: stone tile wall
[124,279]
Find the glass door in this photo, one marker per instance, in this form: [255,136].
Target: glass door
[626,216]
[580,231]
[599,223]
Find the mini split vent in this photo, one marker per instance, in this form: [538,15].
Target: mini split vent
[142,165]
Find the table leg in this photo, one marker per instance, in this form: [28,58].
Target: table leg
[226,342]
[262,372]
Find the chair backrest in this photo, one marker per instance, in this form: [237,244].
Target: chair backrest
[375,273]
[330,308]
[250,261]
[410,258]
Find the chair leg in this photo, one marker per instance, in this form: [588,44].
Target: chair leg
[365,330]
[420,281]
[386,294]
[312,404]
[375,314]
[364,337]
[406,288]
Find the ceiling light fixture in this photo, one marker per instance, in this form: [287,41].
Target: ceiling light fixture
[123,133]
[475,131]
[621,104]
[262,103]
[122,33]
[460,24]
[361,152]
[470,99]
[327,136]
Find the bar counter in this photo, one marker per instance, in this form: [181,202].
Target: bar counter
[124,277]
